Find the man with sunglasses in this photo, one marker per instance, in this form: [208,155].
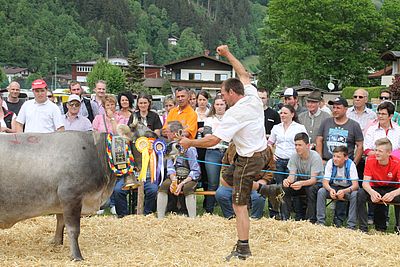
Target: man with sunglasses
[73,121]
[359,111]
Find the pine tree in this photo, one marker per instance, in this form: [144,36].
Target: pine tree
[133,73]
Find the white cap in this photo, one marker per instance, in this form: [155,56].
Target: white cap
[290,92]
[74,97]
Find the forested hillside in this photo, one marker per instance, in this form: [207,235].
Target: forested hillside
[34,32]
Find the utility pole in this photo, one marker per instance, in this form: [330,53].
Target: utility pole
[55,73]
[107,40]
[144,64]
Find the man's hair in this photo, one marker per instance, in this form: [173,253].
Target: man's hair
[262,90]
[388,92]
[73,83]
[235,85]
[389,106]
[13,82]
[302,137]
[365,92]
[384,142]
[175,126]
[180,88]
[341,149]
[100,81]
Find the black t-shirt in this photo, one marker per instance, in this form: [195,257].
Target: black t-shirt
[271,118]
[152,119]
[15,107]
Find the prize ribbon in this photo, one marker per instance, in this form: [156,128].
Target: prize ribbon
[160,147]
[143,144]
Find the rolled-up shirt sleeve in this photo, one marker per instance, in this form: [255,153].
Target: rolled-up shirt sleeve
[191,154]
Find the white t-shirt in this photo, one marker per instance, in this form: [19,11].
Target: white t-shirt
[243,123]
[40,118]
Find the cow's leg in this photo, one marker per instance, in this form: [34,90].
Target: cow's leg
[72,218]
[59,235]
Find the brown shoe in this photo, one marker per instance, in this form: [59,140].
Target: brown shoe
[240,251]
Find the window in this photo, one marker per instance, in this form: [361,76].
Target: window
[194,76]
[84,69]
[221,77]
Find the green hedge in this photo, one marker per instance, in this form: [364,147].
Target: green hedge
[373,92]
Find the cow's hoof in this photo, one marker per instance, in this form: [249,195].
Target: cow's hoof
[76,258]
[55,242]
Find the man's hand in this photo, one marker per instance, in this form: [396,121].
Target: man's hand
[375,196]
[286,183]
[297,185]
[178,189]
[340,194]
[185,142]
[388,197]
[173,186]
[223,50]
[332,193]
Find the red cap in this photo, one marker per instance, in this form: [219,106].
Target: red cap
[38,84]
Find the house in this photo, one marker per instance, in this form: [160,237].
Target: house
[15,72]
[199,73]
[80,70]
[392,67]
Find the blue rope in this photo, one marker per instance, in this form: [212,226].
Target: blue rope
[297,174]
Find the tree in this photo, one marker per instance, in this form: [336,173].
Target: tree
[133,73]
[3,79]
[317,38]
[189,44]
[113,75]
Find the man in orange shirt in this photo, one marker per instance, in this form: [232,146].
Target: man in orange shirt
[183,113]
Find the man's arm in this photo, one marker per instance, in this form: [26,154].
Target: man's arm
[319,144]
[375,196]
[359,152]
[19,127]
[208,141]
[244,76]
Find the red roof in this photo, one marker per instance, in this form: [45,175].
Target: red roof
[380,73]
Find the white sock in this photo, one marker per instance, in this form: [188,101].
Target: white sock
[162,201]
[191,205]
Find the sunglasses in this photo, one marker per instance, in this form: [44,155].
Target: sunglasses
[74,104]
[358,96]
[384,98]
[49,96]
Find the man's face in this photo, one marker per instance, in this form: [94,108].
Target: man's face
[227,96]
[76,89]
[100,89]
[73,107]
[339,158]
[312,106]
[382,153]
[182,98]
[14,90]
[193,100]
[290,100]
[359,99]
[40,95]
[338,111]
[384,96]
[301,147]
[264,98]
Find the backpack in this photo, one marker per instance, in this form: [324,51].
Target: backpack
[347,166]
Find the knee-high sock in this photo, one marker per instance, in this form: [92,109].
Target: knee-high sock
[191,205]
[162,201]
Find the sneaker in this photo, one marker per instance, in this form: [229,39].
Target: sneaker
[113,211]
[100,212]
[240,251]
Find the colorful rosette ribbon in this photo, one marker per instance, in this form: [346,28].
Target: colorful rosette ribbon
[159,148]
[143,145]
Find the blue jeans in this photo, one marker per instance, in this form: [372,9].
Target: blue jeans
[121,204]
[223,196]
[213,175]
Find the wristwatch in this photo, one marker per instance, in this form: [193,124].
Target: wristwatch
[112,119]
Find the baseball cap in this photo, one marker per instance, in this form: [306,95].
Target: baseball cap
[74,98]
[290,92]
[339,101]
[38,84]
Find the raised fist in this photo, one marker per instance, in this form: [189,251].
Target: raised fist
[223,50]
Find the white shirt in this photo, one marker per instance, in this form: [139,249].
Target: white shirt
[284,140]
[40,117]
[213,122]
[364,119]
[375,132]
[243,123]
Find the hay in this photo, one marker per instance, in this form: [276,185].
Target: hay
[205,241]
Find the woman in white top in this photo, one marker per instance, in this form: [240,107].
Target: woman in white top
[7,119]
[282,137]
[214,154]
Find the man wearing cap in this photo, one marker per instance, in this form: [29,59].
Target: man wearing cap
[73,121]
[14,104]
[291,97]
[314,117]
[39,115]
[86,109]
[340,131]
